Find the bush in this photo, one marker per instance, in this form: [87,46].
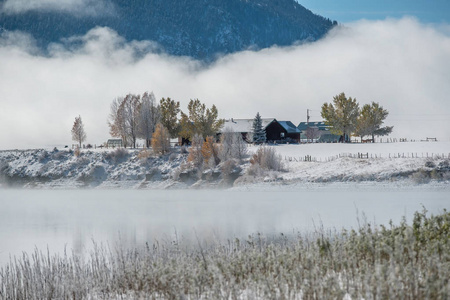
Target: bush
[77,152]
[43,156]
[421,177]
[210,152]
[267,158]
[144,154]
[118,155]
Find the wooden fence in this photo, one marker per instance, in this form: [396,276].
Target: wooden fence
[309,158]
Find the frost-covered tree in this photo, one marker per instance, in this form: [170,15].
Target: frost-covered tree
[195,152]
[131,111]
[148,116]
[232,145]
[169,115]
[259,133]
[161,140]
[312,133]
[116,121]
[200,120]
[78,133]
[370,120]
[341,115]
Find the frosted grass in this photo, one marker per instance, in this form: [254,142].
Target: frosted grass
[404,261]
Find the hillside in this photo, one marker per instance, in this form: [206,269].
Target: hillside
[140,169]
[196,28]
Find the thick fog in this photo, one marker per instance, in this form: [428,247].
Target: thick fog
[400,63]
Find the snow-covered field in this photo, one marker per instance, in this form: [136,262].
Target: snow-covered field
[420,162]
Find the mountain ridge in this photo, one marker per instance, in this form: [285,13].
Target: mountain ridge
[201,29]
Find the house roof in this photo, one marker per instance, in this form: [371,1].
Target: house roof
[321,125]
[244,125]
[289,126]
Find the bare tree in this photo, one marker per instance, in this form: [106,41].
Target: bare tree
[78,133]
[195,152]
[232,145]
[131,105]
[116,121]
[312,133]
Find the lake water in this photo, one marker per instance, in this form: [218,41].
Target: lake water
[73,219]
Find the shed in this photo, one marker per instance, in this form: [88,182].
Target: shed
[114,143]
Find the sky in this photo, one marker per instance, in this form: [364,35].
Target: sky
[402,62]
[428,11]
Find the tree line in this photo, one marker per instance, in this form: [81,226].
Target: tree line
[134,116]
[346,118]
[143,117]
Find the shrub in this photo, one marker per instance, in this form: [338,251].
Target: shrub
[144,154]
[210,152]
[267,158]
[118,155]
[43,155]
[421,176]
[77,152]
[430,164]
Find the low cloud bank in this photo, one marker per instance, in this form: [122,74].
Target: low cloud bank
[77,7]
[403,64]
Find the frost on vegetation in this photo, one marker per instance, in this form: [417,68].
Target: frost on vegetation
[267,158]
[117,156]
[405,261]
[431,171]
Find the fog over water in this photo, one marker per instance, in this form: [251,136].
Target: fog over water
[73,219]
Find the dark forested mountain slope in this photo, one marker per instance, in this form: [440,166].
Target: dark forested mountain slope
[196,28]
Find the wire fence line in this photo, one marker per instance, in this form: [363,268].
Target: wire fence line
[309,158]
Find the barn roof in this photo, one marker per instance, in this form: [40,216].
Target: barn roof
[289,126]
[244,125]
[320,125]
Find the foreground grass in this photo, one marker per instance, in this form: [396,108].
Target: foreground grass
[405,261]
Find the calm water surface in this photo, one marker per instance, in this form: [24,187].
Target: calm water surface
[73,219]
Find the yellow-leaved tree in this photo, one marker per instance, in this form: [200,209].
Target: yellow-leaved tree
[161,140]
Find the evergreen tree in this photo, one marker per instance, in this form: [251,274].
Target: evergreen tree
[259,133]
[78,133]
